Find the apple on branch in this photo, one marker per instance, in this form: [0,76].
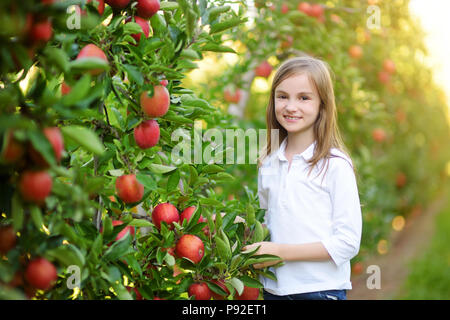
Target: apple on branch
[158,104]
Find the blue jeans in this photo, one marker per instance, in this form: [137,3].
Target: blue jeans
[318,295]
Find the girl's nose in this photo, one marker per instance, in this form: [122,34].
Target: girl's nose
[290,106]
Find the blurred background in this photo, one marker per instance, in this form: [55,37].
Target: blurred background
[392,86]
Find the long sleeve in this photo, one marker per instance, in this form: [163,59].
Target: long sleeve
[345,240]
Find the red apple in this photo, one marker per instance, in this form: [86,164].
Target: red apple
[118,4]
[129,189]
[379,135]
[221,284]
[170,250]
[146,134]
[355,52]
[13,149]
[41,274]
[263,70]
[166,212]
[8,239]
[41,31]
[233,97]
[147,8]
[400,180]
[191,247]
[187,214]
[156,105]
[287,43]
[54,136]
[284,8]
[92,51]
[100,6]
[248,293]
[200,290]
[304,7]
[357,268]
[384,77]
[164,82]
[65,89]
[136,292]
[123,233]
[389,66]
[316,10]
[35,186]
[145,26]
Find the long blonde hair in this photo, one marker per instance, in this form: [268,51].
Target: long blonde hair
[326,131]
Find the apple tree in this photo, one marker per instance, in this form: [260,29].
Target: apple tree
[94,205]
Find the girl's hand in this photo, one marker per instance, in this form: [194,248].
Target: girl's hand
[265,247]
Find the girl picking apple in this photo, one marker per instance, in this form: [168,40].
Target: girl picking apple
[307,184]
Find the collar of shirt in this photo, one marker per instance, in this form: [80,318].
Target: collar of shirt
[306,155]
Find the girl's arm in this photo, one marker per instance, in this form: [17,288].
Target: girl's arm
[314,251]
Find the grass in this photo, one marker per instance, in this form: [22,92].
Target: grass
[429,277]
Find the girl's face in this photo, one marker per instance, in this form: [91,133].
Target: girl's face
[297,104]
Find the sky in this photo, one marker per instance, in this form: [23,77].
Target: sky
[434,18]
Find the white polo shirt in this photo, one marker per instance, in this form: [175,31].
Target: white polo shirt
[302,209]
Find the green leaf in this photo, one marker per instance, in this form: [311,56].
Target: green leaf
[84,137]
[170,260]
[132,28]
[250,282]
[212,168]
[36,216]
[174,179]
[261,259]
[58,57]
[161,169]
[223,177]
[237,284]
[168,6]
[258,234]
[43,146]
[217,48]
[140,223]
[148,182]
[134,74]
[78,91]
[190,54]
[67,255]
[210,202]
[223,250]
[216,288]
[116,172]
[235,261]
[121,292]
[17,213]
[250,215]
[222,26]
[119,248]
[107,227]
[216,11]
[86,64]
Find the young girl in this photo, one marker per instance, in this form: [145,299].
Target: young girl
[308,187]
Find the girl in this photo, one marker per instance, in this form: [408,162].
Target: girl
[308,187]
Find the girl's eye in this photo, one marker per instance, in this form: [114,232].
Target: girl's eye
[304,98]
[281,97]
